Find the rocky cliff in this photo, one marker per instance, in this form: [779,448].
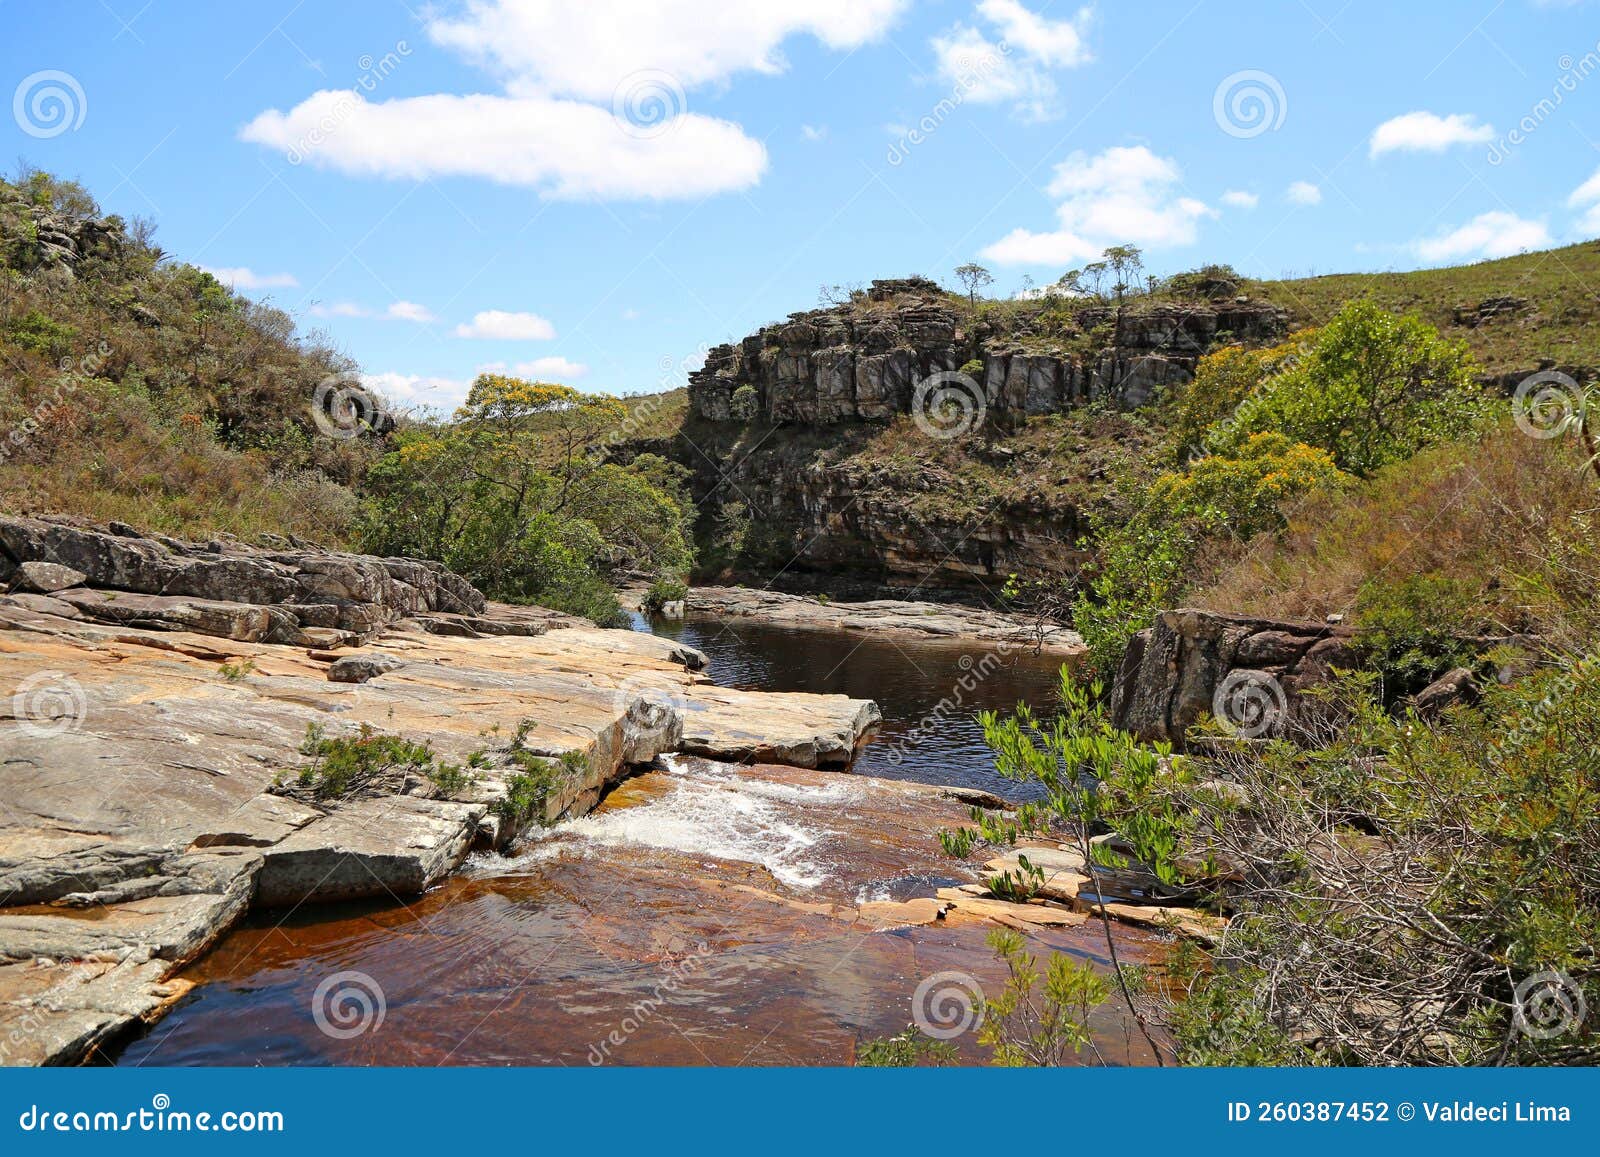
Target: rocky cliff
[862,361]
[792,432]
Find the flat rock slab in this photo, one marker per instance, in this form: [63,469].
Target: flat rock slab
[173,917]
[394,846]
[800,730]
[928,621]
[61,1014]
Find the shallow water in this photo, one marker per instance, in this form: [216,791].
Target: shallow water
[616,939]
[704,914]
[929,693]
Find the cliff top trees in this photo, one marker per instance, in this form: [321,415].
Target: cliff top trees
[974,277]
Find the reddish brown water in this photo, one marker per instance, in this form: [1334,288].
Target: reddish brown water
[704,915]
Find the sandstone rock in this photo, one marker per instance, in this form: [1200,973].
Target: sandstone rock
[1019,916]
[929,621]
[362,667]
[800,730]
[1455,686]
[45,577]
[395,846]
[63,1013]
[1172,673]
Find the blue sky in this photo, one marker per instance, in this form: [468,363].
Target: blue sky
[595,192]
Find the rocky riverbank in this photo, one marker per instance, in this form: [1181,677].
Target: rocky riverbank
[919,620]
[161,698]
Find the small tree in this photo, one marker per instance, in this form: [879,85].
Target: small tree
[974,277]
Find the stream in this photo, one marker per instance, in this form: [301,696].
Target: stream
[703,914]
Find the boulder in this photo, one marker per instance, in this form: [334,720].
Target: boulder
[45,577]
[362,667]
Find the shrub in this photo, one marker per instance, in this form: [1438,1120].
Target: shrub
[1372,389]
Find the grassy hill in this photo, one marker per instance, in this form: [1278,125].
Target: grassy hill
[1557,320]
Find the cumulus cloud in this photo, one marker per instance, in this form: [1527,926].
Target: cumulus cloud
[409,311]
[566,149]
[1010,60]
[1426,132]
[545,368]
[1239,199]
[1496,234]
[242,277]
[594,102]
[398,311]
[498,324]
[1304,193]
[556,47]
[1587,195]
[1122,196]
[417,389]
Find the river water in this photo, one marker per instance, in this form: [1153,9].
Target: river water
[929,693]
[704,914]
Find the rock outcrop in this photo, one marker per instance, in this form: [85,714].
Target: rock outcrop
[862,361]
[1249,674]
[152,731]
[294,596]
[929,622]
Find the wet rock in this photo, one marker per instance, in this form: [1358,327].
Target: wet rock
[63,1013]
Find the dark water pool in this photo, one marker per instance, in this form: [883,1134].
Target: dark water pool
[929,693]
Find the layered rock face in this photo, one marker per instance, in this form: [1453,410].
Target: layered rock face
[863,361]
[1250,674]
[293,596]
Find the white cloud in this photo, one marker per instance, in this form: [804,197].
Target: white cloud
[242,277]
[1014,63]
[594,102]
[1426,132]
[1304,193]
[565,149]
[399,311]
[340,309]
[409,311]
[551,367]
[500,325]
[813,132]
[1588,194]
[1122,196]
[417,389]
[558,48]
[1496,234]
[1239,199]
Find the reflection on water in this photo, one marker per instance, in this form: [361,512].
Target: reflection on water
[929,693]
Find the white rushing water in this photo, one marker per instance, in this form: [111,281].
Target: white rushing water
[712,811]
